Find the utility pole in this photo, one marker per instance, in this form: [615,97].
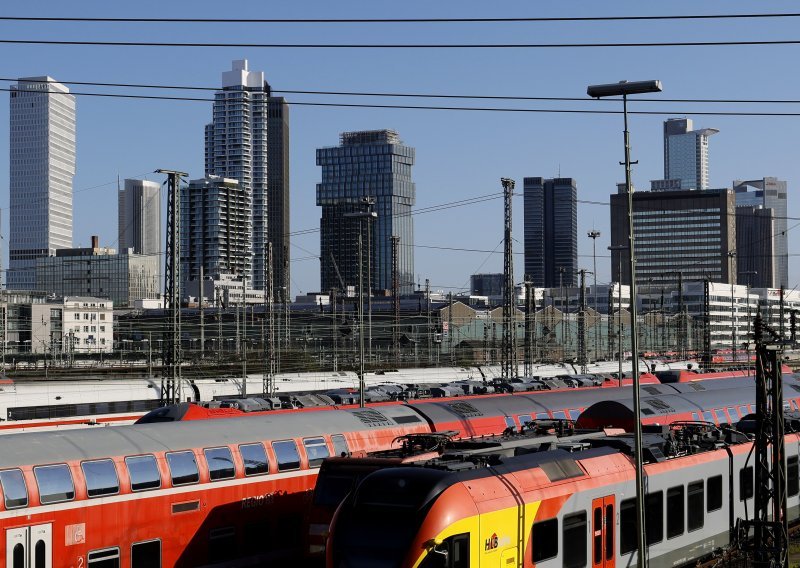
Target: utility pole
[361,382]
[334,329]
[218,298]
[582,322]
[244,336]
[171,357]
[269,313]
[530,314]
[593,234]
[450,329]
[682,331]
[769,524]
[287,315]
[706,322]
[201,288]
[509,357]
[396,298]
[428,314]
[368,203]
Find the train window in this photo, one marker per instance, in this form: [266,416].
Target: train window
[316,450]
[721,416]
[654,517]
[55,483]
[575,534]
[560,415]
[146,554]
[15,492]
[627,526]
[106,558]
[707,416]
[574,413]
[742,411]
[675,511]
[255,459]
[542,416]
[459,550]
[220,463]
[792,476]
[101,478]
[143,472]
[183,468]
[510,422]
[714,498]
[746,483]
[695,416]
[694,502]
[524,419]
[544,540]
[221,542]
[286,453]
[732,413]
[340,445]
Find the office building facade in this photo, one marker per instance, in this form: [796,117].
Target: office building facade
[41,168]
[139,216]
[100,272]
[239,145]
[755,247]
[487,284]
[215,229]
[686,153]
[371,165]
[769,193]
[692,232]
[551,231]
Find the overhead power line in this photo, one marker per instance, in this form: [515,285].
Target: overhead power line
[101,19]
[720,43]
[676,112]
[412,95]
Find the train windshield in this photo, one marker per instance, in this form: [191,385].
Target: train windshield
[377,524]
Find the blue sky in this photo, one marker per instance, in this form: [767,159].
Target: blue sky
[459,154]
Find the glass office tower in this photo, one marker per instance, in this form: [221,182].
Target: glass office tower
[375,166]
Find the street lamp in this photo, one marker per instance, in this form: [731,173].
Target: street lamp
[624,89]
[619,248]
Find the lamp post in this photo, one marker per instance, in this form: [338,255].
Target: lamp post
[749,274]
[593,234]
[731,257]
[624,89]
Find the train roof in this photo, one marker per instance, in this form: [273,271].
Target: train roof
[41,448]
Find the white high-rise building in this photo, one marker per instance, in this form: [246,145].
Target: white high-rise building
[686,153]
[42,166]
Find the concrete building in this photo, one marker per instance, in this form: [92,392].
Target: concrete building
[368,165]
[686,231]
[239,146]
[87,323]
[686,153]
[769,193]
[551,231]
[101,273]
[215,229]
[41,170]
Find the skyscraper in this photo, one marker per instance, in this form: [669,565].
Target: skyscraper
[551,231]
[139,215]
[692,232]
[769,192]
[215,229]
[755,246]
[686,153]
[239,146]
[368,165]
[41,167]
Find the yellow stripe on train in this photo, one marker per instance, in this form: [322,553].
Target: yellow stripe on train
[497,538]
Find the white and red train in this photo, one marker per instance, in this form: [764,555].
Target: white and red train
[191,492]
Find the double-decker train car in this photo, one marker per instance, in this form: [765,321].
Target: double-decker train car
[553,509]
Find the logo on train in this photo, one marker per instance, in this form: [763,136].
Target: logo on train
[491,543]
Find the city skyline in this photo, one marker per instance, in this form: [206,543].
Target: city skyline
[460,155]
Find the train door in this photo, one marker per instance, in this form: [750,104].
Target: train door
[603,524]
[29,547]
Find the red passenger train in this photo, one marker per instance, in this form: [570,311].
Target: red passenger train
[191,492]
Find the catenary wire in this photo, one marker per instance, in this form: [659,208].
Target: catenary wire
[412,95]
[101,19]
[707,43]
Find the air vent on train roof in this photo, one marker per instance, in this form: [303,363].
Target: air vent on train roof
[464,409]
[697,386]
[651,390]
[658,403]
[372,418]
